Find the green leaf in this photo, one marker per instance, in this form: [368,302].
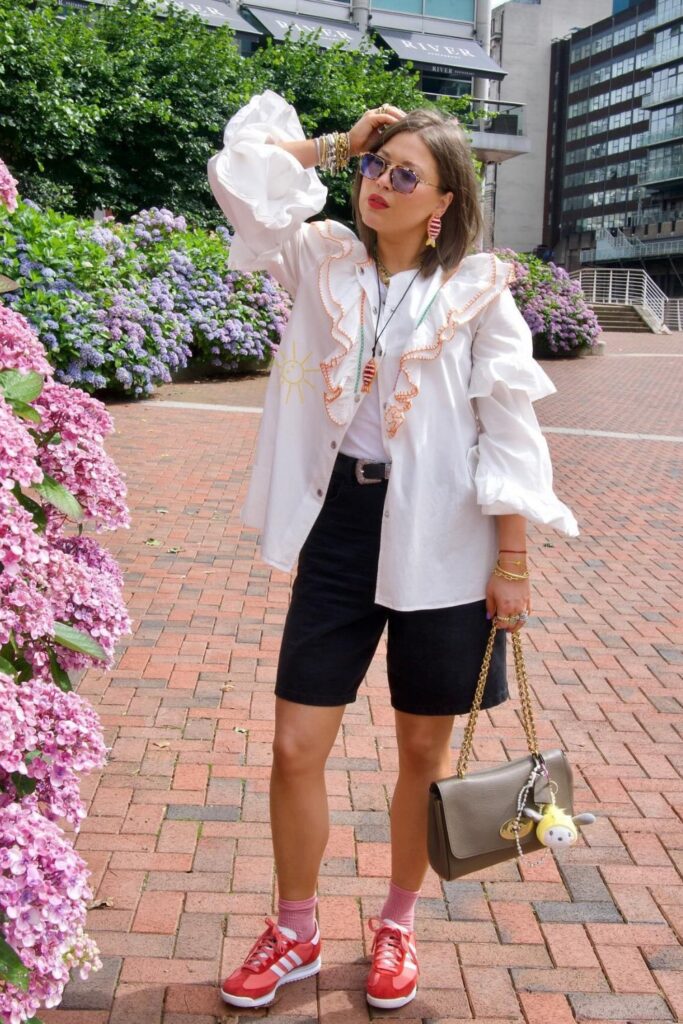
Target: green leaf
[23,785]
[21,668]
[36,510]
[11,967]
[76,640]
[20,387]
[25,411]
[60,677]
[7,667]
[56,494]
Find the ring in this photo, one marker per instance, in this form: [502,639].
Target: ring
[382,109]
[507,618]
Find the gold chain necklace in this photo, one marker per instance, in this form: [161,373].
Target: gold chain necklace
[384,274]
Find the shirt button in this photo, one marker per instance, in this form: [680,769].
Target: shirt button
[319,493]
[356,398]
[362,270]
[333,444]
[386,515]
[374,309]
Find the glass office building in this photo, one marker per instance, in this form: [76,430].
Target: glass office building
[615,169]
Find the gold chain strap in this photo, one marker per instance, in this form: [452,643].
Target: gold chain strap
[524,695]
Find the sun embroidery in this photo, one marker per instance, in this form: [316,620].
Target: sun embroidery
[294,371]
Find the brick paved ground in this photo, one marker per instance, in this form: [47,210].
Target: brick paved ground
[177,837]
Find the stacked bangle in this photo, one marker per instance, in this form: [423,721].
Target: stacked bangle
[504,574]
[333,151]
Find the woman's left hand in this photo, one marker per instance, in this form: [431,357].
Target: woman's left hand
[507,598]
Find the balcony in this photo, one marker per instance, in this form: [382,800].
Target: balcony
[657,138]
[658,96]
[665,173]
[497,129]
[667,13]
[497,138]
[665,55]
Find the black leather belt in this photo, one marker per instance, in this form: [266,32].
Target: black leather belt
[365,471]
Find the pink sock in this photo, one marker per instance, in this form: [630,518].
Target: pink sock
[299,915]
[400,907]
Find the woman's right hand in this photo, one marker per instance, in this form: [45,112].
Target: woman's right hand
[368,129]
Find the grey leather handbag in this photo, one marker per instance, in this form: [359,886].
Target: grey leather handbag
[477,819]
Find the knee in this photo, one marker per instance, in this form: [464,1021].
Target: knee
[421,754]
[294,754]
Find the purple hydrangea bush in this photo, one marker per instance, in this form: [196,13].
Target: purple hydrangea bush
[123,307]
[61,609]
[553,305]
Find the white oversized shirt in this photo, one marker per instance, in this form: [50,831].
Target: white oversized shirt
[456,382]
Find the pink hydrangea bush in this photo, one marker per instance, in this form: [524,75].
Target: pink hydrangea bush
[43,895]
[61,609]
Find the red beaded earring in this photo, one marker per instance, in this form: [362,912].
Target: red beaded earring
[433,230]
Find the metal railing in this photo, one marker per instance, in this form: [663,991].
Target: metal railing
[623,288]
[673,314]
[615,245]
[502,117]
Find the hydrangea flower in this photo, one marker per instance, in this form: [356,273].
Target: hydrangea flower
[8,188]
[63,736]
[552,304]
[43,894]
[126,306]
[79,461]
[18,451]
[19,345]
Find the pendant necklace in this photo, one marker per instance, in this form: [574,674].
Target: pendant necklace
[370,368]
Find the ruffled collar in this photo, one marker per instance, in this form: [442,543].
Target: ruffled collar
[434,309]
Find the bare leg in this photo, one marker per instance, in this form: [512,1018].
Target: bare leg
[423,756]
[299,813]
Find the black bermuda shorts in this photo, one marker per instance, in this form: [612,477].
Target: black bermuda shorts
[334,626]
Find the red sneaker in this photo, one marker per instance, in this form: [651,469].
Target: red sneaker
[394,974]
[275,959]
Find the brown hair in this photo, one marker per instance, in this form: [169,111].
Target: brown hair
[462,222]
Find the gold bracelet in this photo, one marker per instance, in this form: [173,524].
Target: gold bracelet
[504,574]
[343,147]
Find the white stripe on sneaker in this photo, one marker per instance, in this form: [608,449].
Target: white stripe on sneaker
[276,969]
[295,957]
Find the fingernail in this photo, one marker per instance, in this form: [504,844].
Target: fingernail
[488,615]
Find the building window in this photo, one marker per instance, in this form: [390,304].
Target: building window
[455,10]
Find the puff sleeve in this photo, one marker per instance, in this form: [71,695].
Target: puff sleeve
[264,191]
[513,473]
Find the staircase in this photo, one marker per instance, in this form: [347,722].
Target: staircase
[624,300]
[620,317]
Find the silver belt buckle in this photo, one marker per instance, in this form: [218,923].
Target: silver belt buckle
[360,466]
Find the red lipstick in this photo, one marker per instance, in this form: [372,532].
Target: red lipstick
[377,202]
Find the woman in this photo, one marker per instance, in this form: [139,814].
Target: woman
[398,460]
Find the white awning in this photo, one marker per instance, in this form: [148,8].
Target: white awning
[441,52]
[279,23]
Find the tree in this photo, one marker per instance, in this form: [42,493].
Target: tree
[121,106]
